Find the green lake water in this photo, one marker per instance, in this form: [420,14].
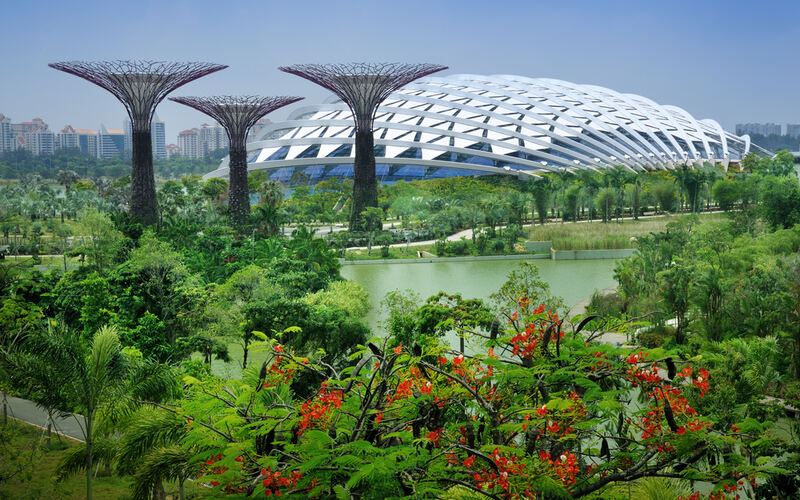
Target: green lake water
[573,280]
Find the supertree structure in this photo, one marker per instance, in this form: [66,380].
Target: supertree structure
[363,87]
[236,114]
[140,86]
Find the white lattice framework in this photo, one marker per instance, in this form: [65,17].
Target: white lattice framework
[501,124]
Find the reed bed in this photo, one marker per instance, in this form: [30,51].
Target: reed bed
[604,236]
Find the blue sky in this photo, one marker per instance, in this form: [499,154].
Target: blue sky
[727,60]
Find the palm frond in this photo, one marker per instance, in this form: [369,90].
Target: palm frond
[161,464]
[104,450]
[150,428]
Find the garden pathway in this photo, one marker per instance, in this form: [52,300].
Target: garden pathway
[27,411]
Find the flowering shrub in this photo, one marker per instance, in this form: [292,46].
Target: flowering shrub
[545,412]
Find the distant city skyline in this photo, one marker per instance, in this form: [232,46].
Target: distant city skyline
[728,61]
[38,136]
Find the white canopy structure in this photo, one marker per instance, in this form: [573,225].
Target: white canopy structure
[472,124]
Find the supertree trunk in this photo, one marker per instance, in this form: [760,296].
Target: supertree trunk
[365,186]
[239,193]
[143,186]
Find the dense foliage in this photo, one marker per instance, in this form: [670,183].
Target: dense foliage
[238,358]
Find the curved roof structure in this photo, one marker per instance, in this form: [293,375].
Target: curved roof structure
[473,124]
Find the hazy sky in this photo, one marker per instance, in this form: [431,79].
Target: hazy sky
[733,61]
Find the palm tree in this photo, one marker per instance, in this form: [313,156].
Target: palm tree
[67,178]
[90,375]
[541,189]
[150,451]
[591,184]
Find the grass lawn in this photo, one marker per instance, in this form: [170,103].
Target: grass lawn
[603,236]
[395,253]
[24,448]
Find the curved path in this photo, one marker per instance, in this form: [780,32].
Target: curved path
[27,411]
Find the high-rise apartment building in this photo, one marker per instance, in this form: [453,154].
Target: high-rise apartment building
[68,138]
[189,142]
[159,137]
[6,139]
[198,142]
[211,139]
[34,136]
[40,140]
[110,143]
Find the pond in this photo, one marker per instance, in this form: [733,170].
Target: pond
[573,280]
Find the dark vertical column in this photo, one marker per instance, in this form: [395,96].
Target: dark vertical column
[239,191]
[365,187]
[143,186]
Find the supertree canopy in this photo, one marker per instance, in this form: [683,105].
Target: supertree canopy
[363,87]
[237,114]
[140,86]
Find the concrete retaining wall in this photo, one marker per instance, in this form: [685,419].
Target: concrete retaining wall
[620,253]
[522,256]
[553,255]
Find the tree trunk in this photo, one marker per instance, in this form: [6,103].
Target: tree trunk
[160,493]
[239,192]
[88,423]
[143,184]
[365,188]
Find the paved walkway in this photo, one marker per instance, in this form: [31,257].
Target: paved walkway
[27,411]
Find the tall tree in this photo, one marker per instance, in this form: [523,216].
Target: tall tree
[67,178]
[363,87]
[90,376]
[139,86]
[237,114]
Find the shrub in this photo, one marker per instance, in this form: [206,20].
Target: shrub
[457,247]
[656,336]
[498,245]
[606,304]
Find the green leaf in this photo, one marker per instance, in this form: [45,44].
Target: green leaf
[341,493]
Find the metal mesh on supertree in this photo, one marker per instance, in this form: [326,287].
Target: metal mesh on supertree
[236,114]
[139,85]
[363,86]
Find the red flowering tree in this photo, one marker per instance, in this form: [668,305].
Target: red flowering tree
[540,413]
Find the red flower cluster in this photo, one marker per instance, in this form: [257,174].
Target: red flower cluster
[525,343]
[601,363]
[209,468]
[316,413]
[506,466]
[700,381]
[435,437]
[273,481]
[565,466]
[281,371]
[642,375]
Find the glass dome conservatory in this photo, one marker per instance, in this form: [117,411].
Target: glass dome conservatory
[503,124]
